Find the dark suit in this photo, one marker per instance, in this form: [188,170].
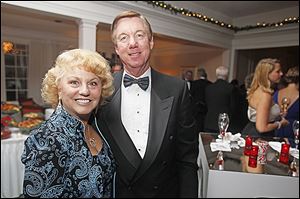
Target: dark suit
[220,98]
[169,167]
[198,93]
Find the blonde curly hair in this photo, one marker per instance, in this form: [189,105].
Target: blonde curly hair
[87,60]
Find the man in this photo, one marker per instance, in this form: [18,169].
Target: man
[188,77]
[198,94]
[239,118]
[220,97]
[115,68]
[148,122]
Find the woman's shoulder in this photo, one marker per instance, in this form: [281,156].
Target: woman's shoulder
[55,128]
[45,140]
[263,95]
[258,96]
[47,131]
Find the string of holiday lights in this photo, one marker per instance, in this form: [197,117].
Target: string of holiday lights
[186,12]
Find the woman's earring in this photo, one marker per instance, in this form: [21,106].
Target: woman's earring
[59,100]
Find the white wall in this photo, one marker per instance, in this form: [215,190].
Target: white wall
[174,64]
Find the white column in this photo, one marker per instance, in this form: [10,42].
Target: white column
[226,61]
[87,34]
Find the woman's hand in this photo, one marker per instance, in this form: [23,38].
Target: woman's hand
[284,122]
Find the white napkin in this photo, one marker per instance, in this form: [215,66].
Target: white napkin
[237,138]
[14,129]
[235,141]
[277,147]
[220,146]
[294,152]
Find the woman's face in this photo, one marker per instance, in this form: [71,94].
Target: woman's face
[80,92]
[275,75]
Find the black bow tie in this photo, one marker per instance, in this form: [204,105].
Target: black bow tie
[142,82]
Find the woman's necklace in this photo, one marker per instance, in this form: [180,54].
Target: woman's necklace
[91,141]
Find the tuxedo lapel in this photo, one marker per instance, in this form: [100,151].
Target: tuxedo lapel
[159,117]
[160,110]
[118,132]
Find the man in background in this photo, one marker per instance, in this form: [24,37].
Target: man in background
[220,97]
[188,77]
[198,93]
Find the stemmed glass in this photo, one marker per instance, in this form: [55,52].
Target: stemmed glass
[296,132]
[223,123]
[293,166]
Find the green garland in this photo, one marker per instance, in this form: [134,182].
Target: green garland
[202,17]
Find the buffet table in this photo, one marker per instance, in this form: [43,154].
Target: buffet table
[12,169]
[270,180]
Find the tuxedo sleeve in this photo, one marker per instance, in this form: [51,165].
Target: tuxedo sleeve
[187,147]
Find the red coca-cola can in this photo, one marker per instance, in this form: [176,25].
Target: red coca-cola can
[253,156]
[248,145]
[284,153]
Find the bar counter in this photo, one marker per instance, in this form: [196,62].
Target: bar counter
[238,180]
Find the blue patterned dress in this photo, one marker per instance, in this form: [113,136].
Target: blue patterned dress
[58,163]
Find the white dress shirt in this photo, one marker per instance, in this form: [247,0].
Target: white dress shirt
[135,112]
[189,84]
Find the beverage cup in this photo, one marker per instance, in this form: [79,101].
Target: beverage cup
[262,152]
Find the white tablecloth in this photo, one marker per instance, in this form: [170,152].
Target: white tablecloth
[12,169]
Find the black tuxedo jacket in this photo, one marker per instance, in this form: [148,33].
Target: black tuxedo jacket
[220,98]
[169,167]
[198,89]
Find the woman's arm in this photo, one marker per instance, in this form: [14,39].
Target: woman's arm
[44,158]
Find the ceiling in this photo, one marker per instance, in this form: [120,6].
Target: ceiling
[41,21]
[236,9]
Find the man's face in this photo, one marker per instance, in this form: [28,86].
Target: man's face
[188,75]
[132,43]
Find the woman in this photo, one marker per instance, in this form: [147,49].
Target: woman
[67,155]
[288,100]
[263,113]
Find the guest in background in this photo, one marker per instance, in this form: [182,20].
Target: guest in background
[116,68]
[220,97]
[263,113]
[198,94]
[148,120]
[288,100]
[239,118]
[67,156]
[188,77]
[248,81]
[235,83]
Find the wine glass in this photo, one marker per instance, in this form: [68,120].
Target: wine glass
[223,123]
[296,132]
[293,165]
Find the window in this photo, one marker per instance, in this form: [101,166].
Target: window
[16,72]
